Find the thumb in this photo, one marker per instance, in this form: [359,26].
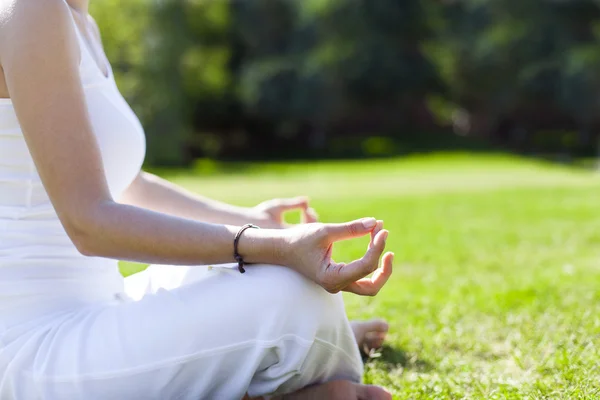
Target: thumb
[349,230]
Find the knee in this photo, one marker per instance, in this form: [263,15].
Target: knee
[296,308]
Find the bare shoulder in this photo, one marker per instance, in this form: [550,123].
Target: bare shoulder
[17,12]
[30,22]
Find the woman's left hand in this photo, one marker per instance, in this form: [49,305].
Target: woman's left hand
[270,214]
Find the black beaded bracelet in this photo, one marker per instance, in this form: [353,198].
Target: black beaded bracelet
[236,254]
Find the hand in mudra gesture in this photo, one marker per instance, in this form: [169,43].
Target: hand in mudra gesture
[270,213]
[309,247]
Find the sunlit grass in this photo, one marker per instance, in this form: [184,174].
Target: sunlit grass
[496,286]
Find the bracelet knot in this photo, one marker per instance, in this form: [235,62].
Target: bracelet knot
[236,254]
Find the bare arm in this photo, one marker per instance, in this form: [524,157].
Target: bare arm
[157,194]
[40,56]
[154,193]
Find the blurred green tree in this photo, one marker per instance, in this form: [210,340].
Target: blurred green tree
[288,78]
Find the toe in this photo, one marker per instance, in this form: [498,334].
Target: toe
[370,334]
[377,325]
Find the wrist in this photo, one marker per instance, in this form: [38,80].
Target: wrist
[265,246]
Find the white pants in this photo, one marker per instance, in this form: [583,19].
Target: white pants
[189,333]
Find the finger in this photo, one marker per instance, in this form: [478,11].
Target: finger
[375,231]
[372,286]
[310,216]
[291,204]
[367,264]
[349,230]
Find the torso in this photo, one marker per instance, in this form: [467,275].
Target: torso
[39,265]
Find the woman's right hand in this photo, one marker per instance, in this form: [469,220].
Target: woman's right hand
[308,250]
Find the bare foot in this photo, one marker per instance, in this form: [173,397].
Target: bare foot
[369,335]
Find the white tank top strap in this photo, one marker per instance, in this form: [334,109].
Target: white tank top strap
[90,72]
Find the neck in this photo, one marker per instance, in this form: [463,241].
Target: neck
[81,6]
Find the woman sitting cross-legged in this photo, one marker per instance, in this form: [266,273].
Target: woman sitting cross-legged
[73,201]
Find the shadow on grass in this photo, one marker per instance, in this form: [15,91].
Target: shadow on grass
[394,358]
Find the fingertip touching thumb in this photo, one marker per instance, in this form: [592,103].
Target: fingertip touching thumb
[368,223]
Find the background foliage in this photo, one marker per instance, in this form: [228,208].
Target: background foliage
[344,78]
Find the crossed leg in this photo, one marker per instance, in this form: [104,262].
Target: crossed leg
[369,335]
[293,304]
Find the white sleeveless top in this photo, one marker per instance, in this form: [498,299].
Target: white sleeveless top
[39,265]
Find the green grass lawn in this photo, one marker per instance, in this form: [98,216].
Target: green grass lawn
[496,288]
